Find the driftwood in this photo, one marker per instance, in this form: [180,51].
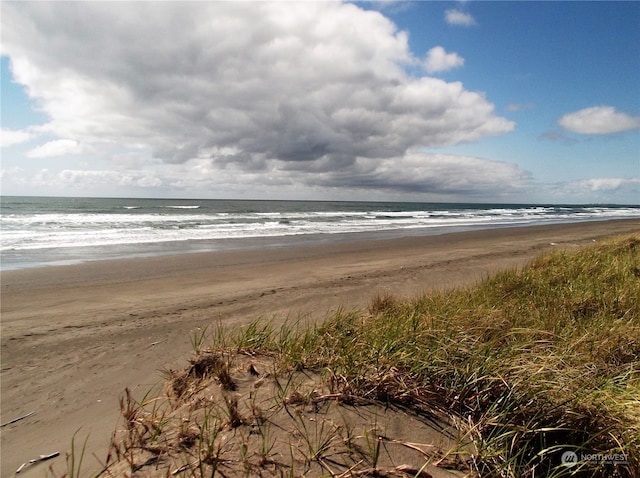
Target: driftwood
[17,419]
[37,460]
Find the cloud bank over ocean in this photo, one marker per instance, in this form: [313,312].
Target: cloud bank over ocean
[312,92]
[314,100]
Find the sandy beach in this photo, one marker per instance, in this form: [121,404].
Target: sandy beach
[74,337]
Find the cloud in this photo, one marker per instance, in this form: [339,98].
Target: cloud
[10,137]
[595,190]
[392,6]
[91,180]
[261,89]
[70,177]
[426,175]
[557,136]
[435,174]
[519,106]
[58,147]
[458,17]
[439,60]
[608,184]
[599,120]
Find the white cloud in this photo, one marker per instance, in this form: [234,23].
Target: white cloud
[439,60]
[599,120]
[414,175]
[9,137]
[458,17]
[261,89]
[104,180]
[594,190]
[70,177]
[608,184]
[58,147]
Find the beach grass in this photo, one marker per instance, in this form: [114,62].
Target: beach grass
[527,366]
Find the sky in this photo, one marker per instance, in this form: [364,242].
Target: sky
[502,102]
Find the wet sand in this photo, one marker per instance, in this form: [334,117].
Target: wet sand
[74,337]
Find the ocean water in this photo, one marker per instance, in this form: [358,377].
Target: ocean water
[50,231]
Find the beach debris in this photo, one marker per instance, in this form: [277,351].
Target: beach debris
[253,370]
[18,419]
[37,460]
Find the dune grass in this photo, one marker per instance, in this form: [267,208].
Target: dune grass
[531,363]
[528,365]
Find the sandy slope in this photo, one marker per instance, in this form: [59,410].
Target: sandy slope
[74,337]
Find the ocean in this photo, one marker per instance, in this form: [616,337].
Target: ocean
[40,231]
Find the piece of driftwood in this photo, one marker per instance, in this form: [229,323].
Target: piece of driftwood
[37,460]
[17,419]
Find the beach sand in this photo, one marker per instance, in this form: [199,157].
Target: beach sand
[74,337]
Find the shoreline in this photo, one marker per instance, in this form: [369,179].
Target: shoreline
[13,260]
[73,337]
[300,246]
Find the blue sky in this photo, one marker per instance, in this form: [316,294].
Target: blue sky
[420,101]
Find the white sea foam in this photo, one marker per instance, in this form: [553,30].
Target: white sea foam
[28,228]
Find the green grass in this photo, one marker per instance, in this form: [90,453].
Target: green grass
[530,362]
